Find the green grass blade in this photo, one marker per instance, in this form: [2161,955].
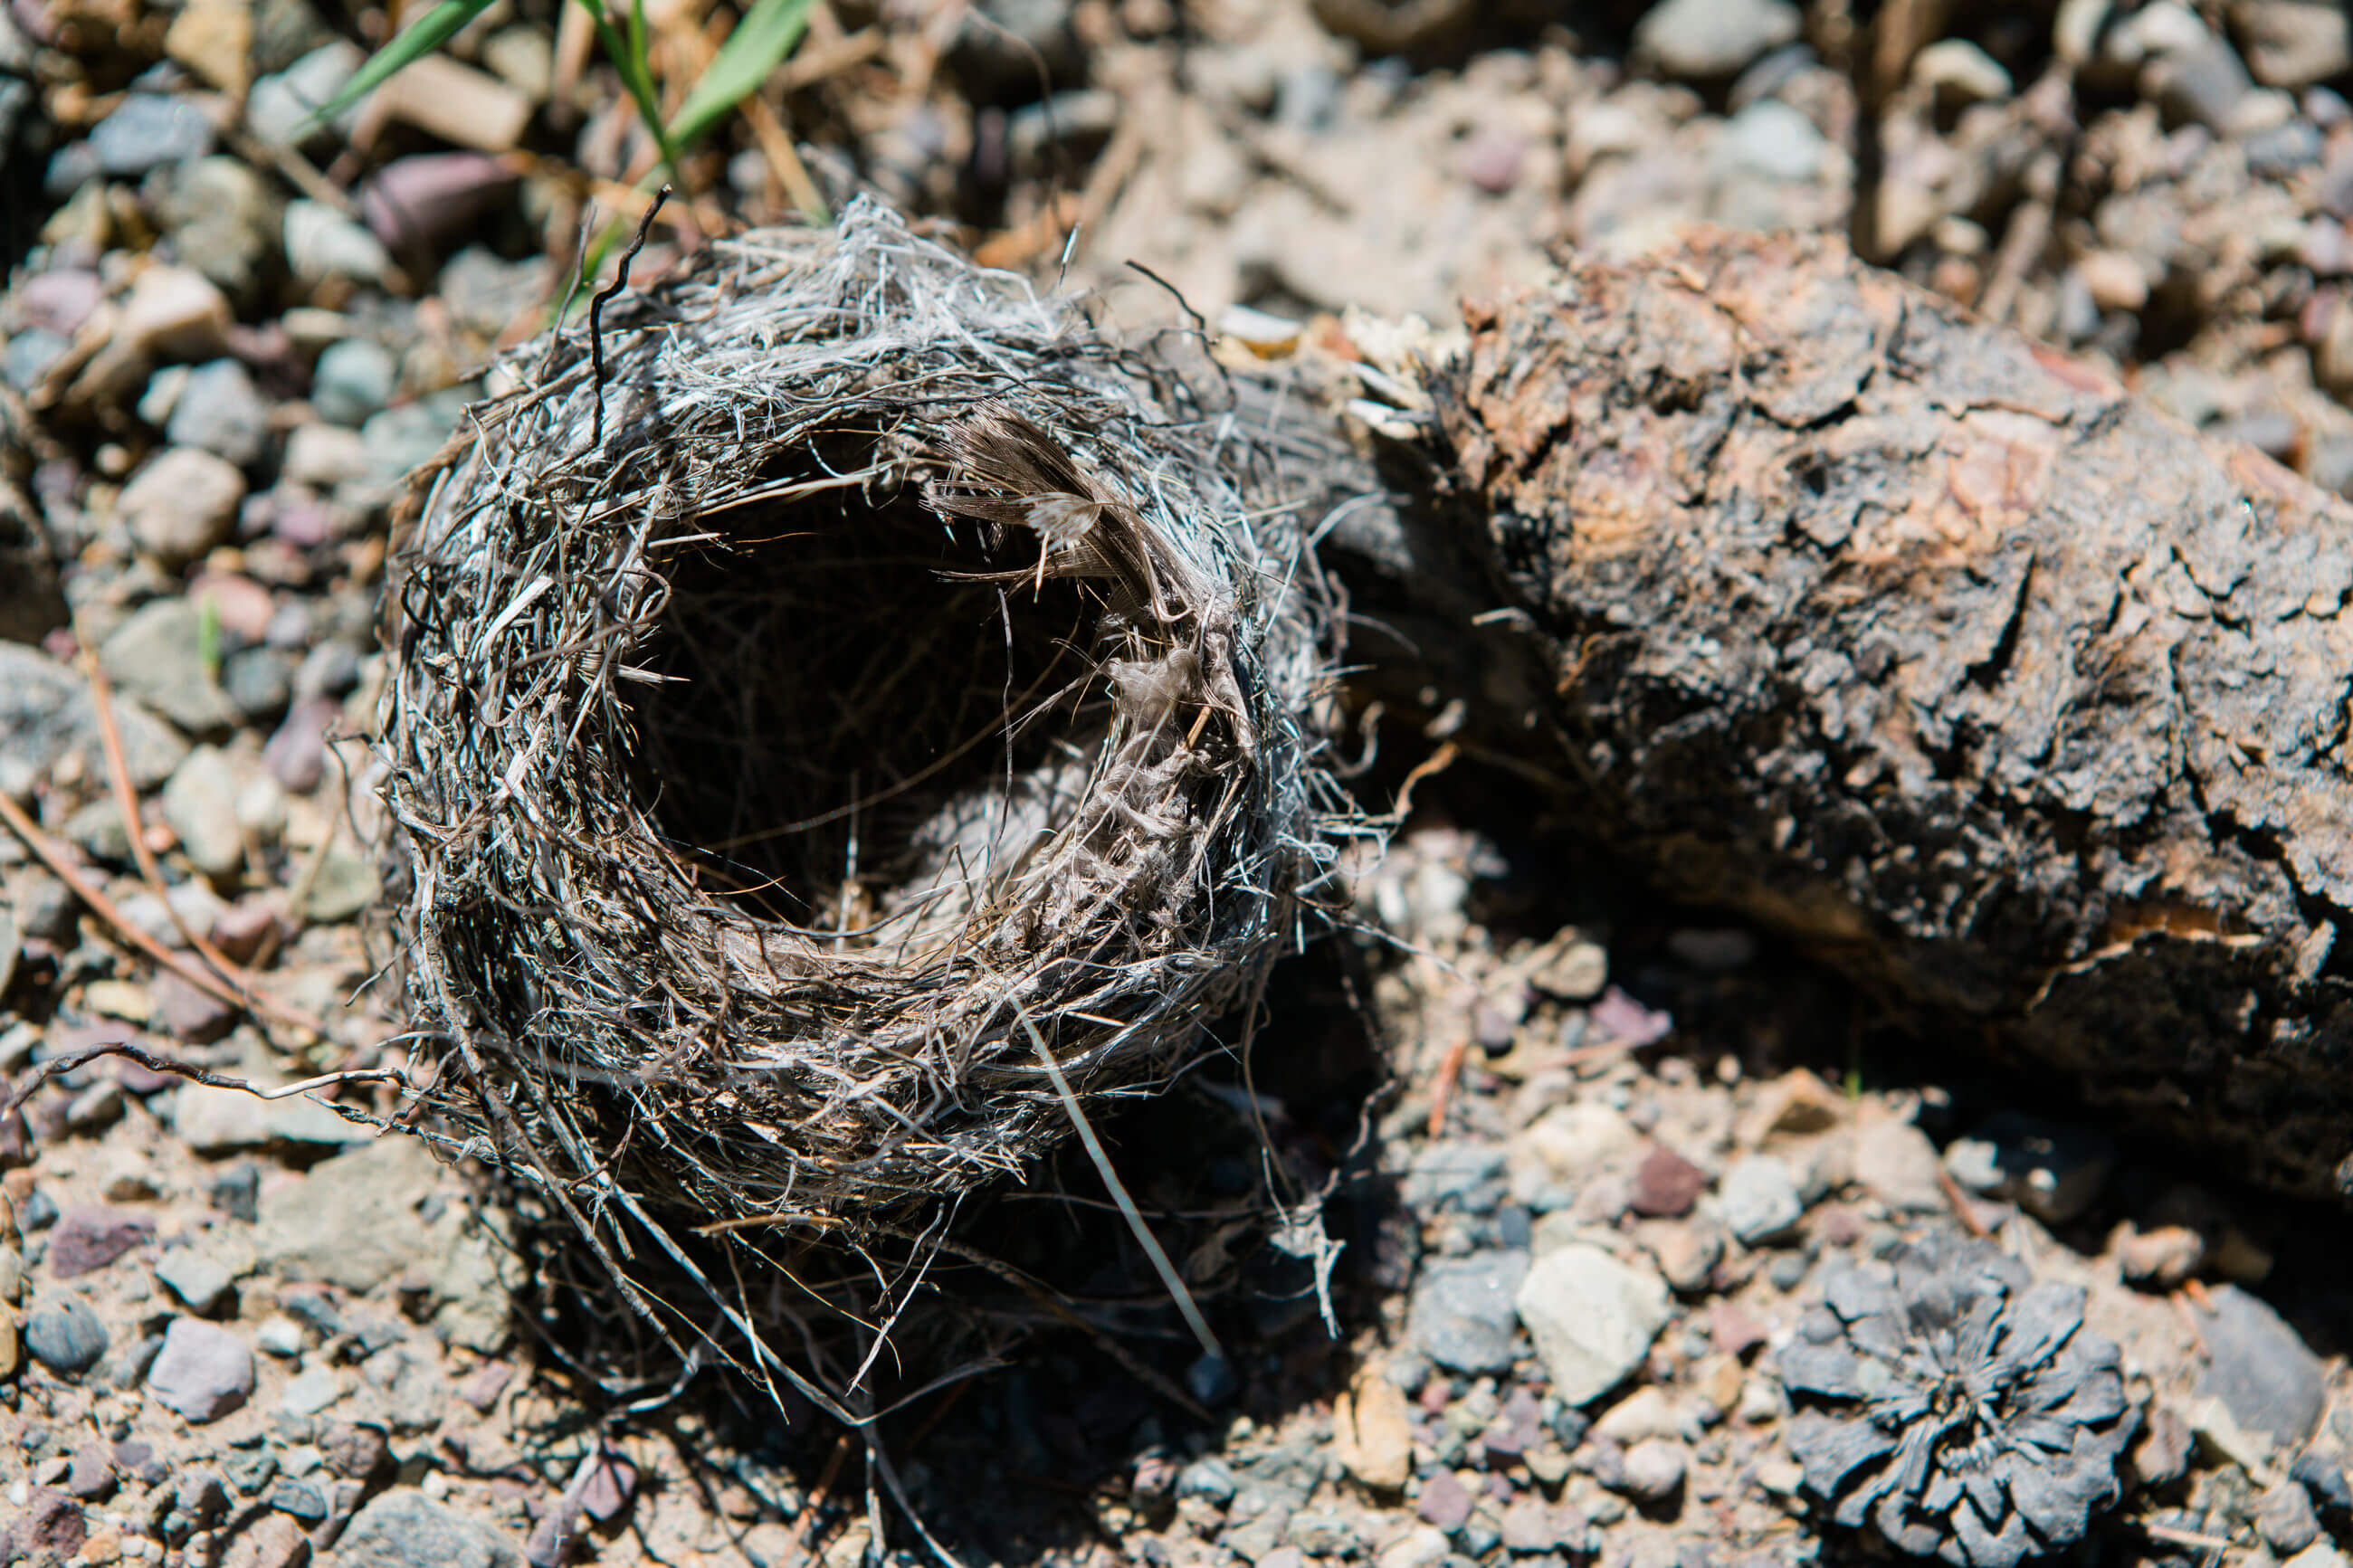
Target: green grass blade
[413,43]
[628,54]
[756,46]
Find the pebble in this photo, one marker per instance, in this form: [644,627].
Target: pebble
[2160,1258]
[61,300]
[259,680]
[1377,1445]
[326,456]
[1462,1173]
[1712,40]
[1655,1468]
[220,412]
[322,243]
[88,1240]
[173,313]
[296,752]
[2292,43]
[1666,1184]
[1424,1546]
[1958,73]
[158,657]
[2286,1518]
[2259,1368]
[200,804]
[428,197]
[217,1122]
[148,130]
[1772,139]
[1592,1318]
[2319,1554]
[65,1335]
[405,1529]
[1898,1164]
[203,1372]
[183,504]
[1760,1198]
[2202,84]
[223,219]
[277,110]
[1444,1502]
[355,379]
[196,1279]
[29,354]
[213,39]
[1461,1315]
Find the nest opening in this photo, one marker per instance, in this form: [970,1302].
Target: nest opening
[860,711]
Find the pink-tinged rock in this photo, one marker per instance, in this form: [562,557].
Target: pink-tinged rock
[1443,1502]
[607,1491]
[241,604]
[60,302]
[427,199]
[295,755]
[1491,161]
[88,1240]
[239,930]
[1666,1184]
[184,1013]
[203,1370]
[1619,1017]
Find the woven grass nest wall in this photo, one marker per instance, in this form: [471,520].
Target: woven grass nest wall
[894,676]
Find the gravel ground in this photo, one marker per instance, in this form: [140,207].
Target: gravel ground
[1658,1251]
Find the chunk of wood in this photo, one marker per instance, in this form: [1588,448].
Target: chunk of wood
[1938,652]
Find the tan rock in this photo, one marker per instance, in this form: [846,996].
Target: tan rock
[173,313]
[1374,1431]
[213,39]
[455,102]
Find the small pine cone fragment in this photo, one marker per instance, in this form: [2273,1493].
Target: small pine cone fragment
[1959,1407]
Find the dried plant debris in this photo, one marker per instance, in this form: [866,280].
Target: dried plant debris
[874,679]
[1965,1410]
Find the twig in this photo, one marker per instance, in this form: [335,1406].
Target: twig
[1437,763]
[596,312]
[815,1506]
[784,160]
[1962,1209]
[54,856]
[126,801]
[205,1075]
[2176,1536]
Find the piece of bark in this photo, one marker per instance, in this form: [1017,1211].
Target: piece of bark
[1937,651]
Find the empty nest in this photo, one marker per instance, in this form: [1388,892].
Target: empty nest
[857,730]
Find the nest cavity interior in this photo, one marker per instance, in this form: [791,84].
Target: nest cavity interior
[875,680]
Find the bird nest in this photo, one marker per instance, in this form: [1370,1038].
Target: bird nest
[846,715]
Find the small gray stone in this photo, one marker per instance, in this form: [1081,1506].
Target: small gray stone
[158,656]
[1655,1468]
[220,412]
[224,221]
[28,355]
[217,1122]
[197,1278]
[259,680]
[2260,1369]
[400,438]
[1760,1198]
[353,1220]
[2200,84]
[2285,1518]
[1592,1318]
[1208,1478]
[65,1335]
[203,1370]
[46,716]
[1461,1314]
[1712,40]
[2292,43]
[1772,139]
[406,1529]
[485,291]
[1468,1175]
[183,503]
[279,107]
[200,804]
[322,243]
[354,380]
[150,129]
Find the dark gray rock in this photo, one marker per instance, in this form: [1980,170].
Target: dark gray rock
[65,1335]
[1461,1314]
[2259,1368]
